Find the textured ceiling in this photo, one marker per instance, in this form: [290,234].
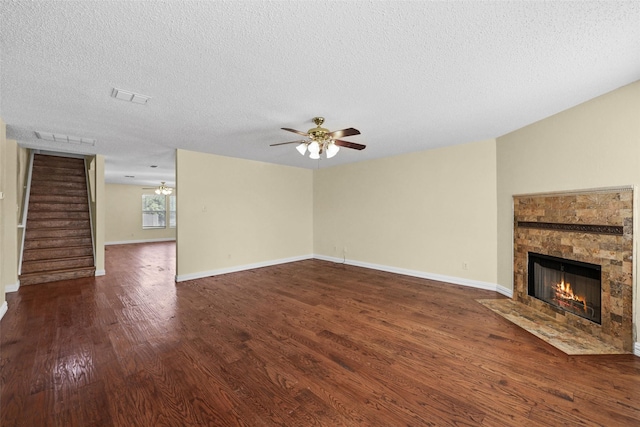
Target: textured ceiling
[224,77]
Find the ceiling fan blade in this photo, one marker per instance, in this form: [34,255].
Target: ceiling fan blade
[348,144]
[283,143]
[295,131]
[344,132]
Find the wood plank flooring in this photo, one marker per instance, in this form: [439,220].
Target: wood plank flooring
[310,343]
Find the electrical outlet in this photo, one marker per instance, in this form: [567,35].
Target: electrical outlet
[465,265]
[344,250]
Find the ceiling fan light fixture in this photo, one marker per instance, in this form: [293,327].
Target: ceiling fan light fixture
[314,148]
[314,156]
[332,150]
[302,148]
[163,189]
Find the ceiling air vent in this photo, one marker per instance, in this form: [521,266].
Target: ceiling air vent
[125,95]
[56,137]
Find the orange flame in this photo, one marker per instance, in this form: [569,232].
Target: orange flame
[564,291]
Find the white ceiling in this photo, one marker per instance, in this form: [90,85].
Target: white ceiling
[224,77]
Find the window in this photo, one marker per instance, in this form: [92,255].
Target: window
[154,211]
[172,211]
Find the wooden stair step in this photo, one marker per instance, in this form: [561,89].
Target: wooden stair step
[39,233]
[42,170]
[58,223]
[58,160]
[57,206]
[54,276]
[54,178]
[42,254]
[57,242]
[46,182]
[38,188]
[58,215]
[57,198]
[44,206]
[58,174]
[56,264]
[42,173]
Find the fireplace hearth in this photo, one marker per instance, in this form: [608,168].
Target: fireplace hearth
[567,285]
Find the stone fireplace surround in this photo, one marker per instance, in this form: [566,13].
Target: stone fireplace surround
[593,226]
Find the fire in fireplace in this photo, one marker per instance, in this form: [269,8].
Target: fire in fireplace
[571,286]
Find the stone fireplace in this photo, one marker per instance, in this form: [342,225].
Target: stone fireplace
[573,260]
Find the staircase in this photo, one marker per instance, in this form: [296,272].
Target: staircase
[58,244]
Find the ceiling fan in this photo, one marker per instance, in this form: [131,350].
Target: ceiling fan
[161,189]
[321,140]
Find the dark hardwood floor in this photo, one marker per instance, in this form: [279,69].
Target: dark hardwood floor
[310,343]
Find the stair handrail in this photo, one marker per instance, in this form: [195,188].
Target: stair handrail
[25,209]
[87,171]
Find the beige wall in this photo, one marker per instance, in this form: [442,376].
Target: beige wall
[428,212]
[8,214]
[592,145]
[124,217]
[234,212]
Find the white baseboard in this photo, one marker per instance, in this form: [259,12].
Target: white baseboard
[13,287]
[235,269]
[636,349]
[100,272]
[3,309]
[504,291]
[413,273]
[128,242]
[421,274]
